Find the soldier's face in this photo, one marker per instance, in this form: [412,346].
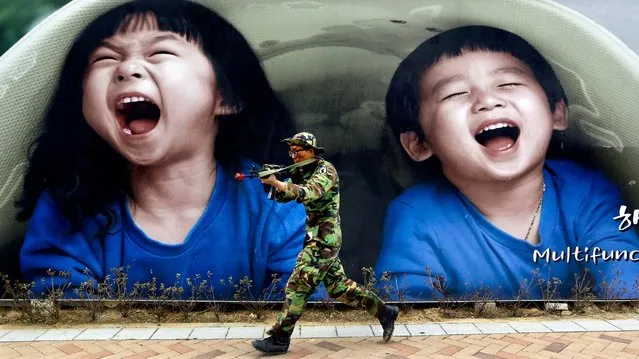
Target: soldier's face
[299,153]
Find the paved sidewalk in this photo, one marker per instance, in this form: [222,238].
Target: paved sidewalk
[247,331]
[521,339]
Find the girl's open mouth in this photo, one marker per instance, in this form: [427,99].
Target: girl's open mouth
[137,115]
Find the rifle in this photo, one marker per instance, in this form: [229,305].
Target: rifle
[280,172]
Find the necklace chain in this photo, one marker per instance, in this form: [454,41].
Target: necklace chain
[543,190]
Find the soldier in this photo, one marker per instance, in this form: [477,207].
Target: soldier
[316,185]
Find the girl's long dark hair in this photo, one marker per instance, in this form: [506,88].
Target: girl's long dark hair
[84,175]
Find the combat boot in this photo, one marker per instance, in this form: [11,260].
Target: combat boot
[387,320]
[277,343]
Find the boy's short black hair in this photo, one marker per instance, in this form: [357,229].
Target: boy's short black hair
[403,96]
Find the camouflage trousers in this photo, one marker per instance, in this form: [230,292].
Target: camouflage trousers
[318,263]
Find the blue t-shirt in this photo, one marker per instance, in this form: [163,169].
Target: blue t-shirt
[433,225]
[241,233]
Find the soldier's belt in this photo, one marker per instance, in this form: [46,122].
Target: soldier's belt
[318,217]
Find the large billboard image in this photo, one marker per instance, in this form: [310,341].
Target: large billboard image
[409,150]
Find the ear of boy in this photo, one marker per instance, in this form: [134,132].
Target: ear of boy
[560,116]
[416,148]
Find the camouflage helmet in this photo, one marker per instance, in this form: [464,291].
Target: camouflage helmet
[305,139]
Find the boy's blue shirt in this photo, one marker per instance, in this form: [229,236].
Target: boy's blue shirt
[434,225]
[241,233]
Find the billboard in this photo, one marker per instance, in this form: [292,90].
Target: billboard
[476,153]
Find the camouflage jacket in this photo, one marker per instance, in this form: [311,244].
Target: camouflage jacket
[316,186]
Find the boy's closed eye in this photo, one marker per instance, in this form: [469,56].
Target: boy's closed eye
[452,90]
[457,94]
[511,84]
[162,52]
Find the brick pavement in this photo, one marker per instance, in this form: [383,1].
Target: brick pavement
[584,338]
[607,344]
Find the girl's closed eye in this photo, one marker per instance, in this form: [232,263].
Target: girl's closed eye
[103,56]
[103,59]
[453,95]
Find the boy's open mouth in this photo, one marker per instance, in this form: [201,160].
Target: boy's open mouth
[137,115]
[498,136]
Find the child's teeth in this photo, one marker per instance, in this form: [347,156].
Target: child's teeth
[127,131]
[133,99]
[495,126]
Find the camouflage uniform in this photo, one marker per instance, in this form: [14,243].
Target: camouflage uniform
[317,187]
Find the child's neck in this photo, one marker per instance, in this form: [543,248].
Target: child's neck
[174,190]
[511,206]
